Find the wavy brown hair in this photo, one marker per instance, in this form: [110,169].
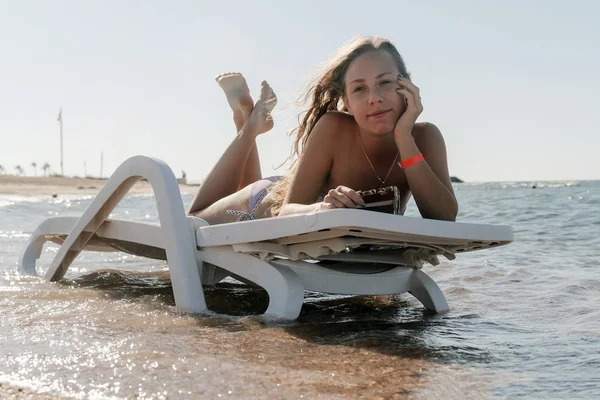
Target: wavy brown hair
[326,94]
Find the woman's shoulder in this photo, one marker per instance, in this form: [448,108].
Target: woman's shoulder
[426,131]
[335,123]
[426,128]
[337,118]
[428,136]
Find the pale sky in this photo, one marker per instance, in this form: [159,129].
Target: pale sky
[514,86]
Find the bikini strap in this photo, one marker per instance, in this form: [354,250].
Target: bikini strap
[247,216]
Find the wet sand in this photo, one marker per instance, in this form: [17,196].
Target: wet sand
[327,354]
[9,392]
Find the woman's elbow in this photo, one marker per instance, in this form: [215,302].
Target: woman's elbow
[452,212]
[450,217]
[441,217]
[282,211]
[449,213]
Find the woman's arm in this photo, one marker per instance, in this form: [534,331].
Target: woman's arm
[313,169]
[295,208]
[429,180]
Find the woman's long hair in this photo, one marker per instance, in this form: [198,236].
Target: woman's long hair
[326,94]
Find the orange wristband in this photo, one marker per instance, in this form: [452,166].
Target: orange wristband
[411,161]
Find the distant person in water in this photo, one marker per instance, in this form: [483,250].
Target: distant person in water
[359,133]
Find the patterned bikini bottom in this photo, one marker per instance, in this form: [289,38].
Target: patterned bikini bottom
[258,191]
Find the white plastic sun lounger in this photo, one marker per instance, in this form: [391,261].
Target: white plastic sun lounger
[344,251]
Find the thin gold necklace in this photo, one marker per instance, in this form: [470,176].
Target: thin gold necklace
[373,168]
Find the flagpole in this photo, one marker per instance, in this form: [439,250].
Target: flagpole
[62,171]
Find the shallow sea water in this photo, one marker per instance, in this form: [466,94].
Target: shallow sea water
[524,319]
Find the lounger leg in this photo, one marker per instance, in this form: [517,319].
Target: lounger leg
[36,242]
[31,254]
[285,289]
[428,292]
[178,230]
[286,294]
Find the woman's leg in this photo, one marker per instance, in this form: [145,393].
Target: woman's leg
[238,96]
[219,191]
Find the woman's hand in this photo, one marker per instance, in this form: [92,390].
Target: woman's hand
[414,107]
[341,197]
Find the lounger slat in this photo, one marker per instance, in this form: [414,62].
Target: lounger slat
[287,228]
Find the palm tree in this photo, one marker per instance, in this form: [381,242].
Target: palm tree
[46,167]
[34,165]
[1,169]
[20,170]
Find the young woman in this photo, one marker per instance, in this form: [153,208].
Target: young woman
[359,133]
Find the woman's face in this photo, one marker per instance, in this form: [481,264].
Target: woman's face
[370,92]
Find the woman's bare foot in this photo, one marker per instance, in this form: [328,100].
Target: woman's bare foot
[260,117]
[238,95]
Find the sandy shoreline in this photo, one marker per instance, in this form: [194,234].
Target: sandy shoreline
[11,392]
[53,185]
